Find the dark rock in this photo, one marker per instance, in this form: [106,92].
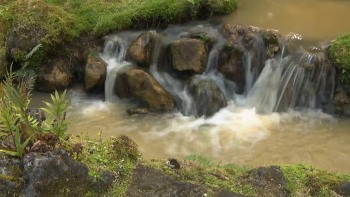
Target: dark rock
[10,174]
[56,76]
[138,84]
[103,183]
[188,55]
[226,193]
[341,98]
[95,73]
[231,64]
[158,184]
[271,179]
[54,174]
[207,96]
[137,110]
[173,164]
[234,32]
[37,114]
[345,189]
[141,49]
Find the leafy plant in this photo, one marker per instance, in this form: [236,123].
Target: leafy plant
[19,147]
[57,112]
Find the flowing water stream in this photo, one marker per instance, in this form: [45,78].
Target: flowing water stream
[276,120]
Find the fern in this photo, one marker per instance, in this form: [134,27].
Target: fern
[19,147]
[35,49]
[56,121]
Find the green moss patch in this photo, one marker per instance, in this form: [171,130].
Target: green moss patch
[340,55]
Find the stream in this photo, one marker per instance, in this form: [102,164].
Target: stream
[249,131]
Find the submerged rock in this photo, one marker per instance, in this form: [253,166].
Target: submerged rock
[231,64]
[136,83]
[159,184]
[141,49]
[207,96]
[55,77]
[54,174]
[188,55]
[271,179]
[95,73]
[137,110]
[10,174]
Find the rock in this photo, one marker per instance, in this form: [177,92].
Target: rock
[207,96]
[345,189]
[37,114]
[234,32]
[95,73]
[188,55]
[105,181]
[208,38]
[159,184]
[138,84]
[231,64]
[141,49]
[24,37]
[54,174]
[173,163]
[126,147]
[271,179]
[226,193]
[271,41]
[55,77]
[346,110]
[341,98]
[10,175]
[137,110]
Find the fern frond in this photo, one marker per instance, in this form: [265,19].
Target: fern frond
[35,49]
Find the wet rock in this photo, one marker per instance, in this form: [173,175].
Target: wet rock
[271,179]
[24,37]
[55,77]
[37,114]
[137,110]
[207,96]
[234,32]
[54,174]
[209,39]
[158,184]
[136,83]
[188,55]
[226,193]
[345,189]
[231,64]
[346,110]
[341,98]
[271,41]
[103,183]
[141,49]
[10,174]
[95,73]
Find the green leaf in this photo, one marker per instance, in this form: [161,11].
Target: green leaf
[12,153]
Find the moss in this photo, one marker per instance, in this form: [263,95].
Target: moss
[117,155]
[306,180]
[340,56]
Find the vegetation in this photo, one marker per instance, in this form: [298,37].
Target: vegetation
[52,23]
[340,55]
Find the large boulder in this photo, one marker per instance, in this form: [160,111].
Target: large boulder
[141,49]
[54,174]
[55,77]
[207,96]
[188,55]
[95,72]
[10,174]
[231,64]
[136,83]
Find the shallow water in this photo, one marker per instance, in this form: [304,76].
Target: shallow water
[322,20]
[234,135]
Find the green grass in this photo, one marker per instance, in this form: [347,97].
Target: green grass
[340,55]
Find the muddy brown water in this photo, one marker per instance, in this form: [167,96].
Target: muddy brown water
[322,20]
[234,135]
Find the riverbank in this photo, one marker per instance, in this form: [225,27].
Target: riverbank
[115,167]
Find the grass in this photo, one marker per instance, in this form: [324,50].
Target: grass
[63,20]
[340,55]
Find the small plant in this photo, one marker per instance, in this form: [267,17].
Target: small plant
[19,147]
[57,114]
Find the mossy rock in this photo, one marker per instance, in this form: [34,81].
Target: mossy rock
[10,176]
[126,147]
[95,72]
[339,54]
